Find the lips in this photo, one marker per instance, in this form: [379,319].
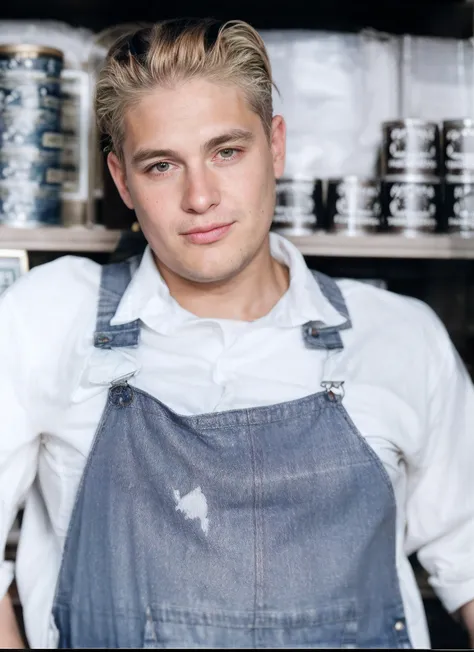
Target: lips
[213,233]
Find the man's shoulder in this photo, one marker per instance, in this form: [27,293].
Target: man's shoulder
[55,292]
[377,310]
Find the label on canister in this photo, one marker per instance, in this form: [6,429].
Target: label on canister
[16,170]
[353,205]
[458,206]
[410,147]
[52,141]
[410,205]
[298,208]
[458,147]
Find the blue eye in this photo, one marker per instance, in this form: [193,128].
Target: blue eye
[227,153]
[162,166]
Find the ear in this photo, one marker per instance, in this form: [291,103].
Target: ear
[278,145]
[117,170]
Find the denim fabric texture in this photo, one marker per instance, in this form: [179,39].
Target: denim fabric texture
[265,527]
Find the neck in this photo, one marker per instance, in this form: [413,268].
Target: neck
[247,296]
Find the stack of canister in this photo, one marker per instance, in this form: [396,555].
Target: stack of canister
[458,169]
[411,184]
[30,135]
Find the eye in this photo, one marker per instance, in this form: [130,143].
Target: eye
[162,166]
[228,152]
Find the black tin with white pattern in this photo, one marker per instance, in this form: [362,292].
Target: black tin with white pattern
[353,205]
[411,206]
[458,147]
[410,146]
[299,207]
[458,205]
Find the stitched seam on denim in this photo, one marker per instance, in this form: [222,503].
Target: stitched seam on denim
[369,449]
[116,330]
[260,543]
[156,408]
[340,613]
[384,475]
[254,484]
[67,541]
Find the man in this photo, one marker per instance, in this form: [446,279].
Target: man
[217,447]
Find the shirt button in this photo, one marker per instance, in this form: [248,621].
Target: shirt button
[399,625]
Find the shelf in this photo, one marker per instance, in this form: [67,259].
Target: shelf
[98,239]
[70,239]
[386,246]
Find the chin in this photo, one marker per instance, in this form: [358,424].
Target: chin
[210,276]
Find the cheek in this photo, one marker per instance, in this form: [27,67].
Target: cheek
[148,199]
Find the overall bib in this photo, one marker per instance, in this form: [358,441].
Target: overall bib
[265,527]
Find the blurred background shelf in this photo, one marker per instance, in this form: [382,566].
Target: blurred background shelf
[386,246]
[100,240]
[74,239]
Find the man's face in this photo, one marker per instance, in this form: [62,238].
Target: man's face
[196,157]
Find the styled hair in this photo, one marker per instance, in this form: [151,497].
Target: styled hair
[173,51]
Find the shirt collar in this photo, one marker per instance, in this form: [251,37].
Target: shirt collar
[147,296]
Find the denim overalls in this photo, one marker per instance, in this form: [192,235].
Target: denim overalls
[254,528]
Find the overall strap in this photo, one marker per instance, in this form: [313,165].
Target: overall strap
[115,278]
[318,336]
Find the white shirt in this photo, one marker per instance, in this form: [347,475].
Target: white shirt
[406,391]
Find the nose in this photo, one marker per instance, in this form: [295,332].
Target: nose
[201,190]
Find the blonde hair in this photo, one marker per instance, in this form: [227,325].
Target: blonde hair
[173,51]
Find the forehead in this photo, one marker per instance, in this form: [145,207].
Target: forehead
[190,112]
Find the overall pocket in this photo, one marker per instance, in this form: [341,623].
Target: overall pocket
[333,626]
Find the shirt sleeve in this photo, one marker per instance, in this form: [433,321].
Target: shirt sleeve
[19,442]
[440,487]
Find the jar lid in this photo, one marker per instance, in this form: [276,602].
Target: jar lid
[458,122]
[409,122]
[28,50]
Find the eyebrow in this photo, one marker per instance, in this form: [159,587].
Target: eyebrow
[241,135]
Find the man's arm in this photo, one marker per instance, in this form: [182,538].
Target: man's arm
[440,478]
[19,438]
[10,637]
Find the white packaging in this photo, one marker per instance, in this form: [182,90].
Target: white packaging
[437,78]
[336,89]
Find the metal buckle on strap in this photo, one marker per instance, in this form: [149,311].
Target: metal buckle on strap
[122,380]
[334,388]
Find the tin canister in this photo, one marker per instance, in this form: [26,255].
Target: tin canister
[353,205]
[299,207]
[30,135]
[458,147]
[458,205]
[411,205]
[410,146]
[29,204]
[30,77]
